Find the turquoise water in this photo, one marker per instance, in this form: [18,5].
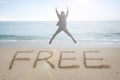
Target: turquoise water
[102,31]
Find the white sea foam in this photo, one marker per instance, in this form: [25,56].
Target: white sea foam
[83,31]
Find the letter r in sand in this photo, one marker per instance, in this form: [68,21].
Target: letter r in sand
[43,59]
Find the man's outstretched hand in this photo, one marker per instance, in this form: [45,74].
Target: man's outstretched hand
[56,8]
[67,8]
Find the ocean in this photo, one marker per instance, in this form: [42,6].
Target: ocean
[98,31]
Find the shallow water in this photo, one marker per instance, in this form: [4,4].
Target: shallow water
[100,31]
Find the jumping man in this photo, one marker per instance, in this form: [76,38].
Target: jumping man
[62,25]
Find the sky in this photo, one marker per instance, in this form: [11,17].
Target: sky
[44,10]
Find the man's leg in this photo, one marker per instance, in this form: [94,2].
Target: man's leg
[58,31]
[69,34]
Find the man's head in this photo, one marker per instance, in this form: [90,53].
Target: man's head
[62,13]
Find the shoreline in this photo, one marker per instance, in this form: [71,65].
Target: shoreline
[59,44]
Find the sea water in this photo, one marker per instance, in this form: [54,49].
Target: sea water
[98,31]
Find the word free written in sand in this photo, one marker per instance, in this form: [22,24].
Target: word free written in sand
[48,57]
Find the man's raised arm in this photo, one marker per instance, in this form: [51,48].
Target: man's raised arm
[57,12]
[67,12]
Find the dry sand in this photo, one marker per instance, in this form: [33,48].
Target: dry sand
[60,64]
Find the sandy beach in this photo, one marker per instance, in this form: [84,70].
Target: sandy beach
[59,39]
[27,63]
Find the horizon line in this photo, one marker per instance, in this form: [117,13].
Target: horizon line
[57,20]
